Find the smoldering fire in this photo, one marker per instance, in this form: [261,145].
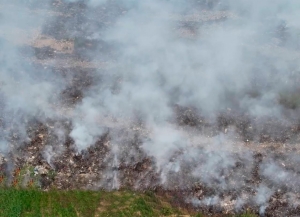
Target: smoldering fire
[198,97]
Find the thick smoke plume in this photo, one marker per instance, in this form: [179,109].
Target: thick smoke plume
[198,91]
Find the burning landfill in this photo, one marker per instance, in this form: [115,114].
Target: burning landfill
[198,100]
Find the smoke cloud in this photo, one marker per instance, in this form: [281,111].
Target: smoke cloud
[199,84]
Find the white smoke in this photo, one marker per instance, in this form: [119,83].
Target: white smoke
[26,92]
[261,198]
[214,57]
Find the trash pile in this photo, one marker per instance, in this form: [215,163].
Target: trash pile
[196,101]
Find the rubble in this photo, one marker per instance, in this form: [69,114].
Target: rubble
[40,170]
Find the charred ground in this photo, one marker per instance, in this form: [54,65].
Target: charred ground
[66,47]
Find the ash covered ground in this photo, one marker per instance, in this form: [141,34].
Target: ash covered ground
[198,100]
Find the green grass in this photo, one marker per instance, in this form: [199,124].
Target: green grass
[247,214]
[16,202]
[32,202]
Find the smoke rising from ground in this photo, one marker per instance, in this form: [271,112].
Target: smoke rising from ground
[170,61]
[26,92]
